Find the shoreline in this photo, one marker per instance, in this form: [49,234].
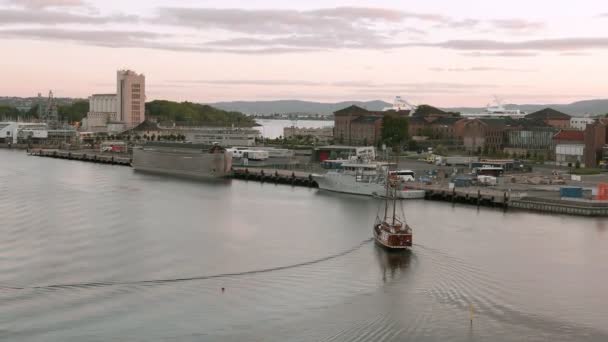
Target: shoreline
[524,197]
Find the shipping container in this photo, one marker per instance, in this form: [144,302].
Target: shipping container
[571,191]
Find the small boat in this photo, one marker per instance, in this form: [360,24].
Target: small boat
[391,231]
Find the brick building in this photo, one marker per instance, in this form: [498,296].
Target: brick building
[487,134]
[355,125]
[448,128]
[438,127]
[366,130]
[551,117]
[596,140]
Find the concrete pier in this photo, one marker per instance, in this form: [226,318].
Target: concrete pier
[470,195]
[92,157]
[562,206]
[298,178]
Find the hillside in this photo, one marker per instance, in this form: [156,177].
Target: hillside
[188,113]
[296,106]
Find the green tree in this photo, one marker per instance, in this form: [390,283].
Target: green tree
[412,145]
[394,131]
[486,150]
[33,112]
[577,164]
[9,112]
[75,111]
[440,149]
[196,114]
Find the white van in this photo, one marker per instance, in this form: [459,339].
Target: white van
[404,175]
[240,152]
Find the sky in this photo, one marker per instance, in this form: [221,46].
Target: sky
[441,52]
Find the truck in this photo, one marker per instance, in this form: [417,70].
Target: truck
[432,158]
[456,160]
[255,154]
[113,146]
[487,180]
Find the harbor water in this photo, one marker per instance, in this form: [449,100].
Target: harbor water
[93,252]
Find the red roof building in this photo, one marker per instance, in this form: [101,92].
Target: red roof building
[569,136]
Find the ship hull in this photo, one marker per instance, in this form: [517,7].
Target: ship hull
[182,163]
[392,241]
[348,185]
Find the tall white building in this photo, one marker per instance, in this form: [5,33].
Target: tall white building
[131,97]
[102,109]
[102,103]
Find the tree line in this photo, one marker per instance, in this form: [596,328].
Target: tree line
[180,113]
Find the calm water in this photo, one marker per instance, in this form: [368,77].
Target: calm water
[97,253]
[274,128]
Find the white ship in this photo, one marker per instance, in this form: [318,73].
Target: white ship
[497,109]
[368,179]
[401,104]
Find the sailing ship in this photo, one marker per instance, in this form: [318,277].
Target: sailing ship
[391,231]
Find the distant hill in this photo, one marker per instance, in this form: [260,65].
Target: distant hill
[579,108]
[295,106]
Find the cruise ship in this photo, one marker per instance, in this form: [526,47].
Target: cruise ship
[497,109]
[183,159]
[400,104]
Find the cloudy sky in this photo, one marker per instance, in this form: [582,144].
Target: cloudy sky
[443,52]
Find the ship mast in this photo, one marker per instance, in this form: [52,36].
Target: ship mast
[395,191]
[386,197]
[394,204]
